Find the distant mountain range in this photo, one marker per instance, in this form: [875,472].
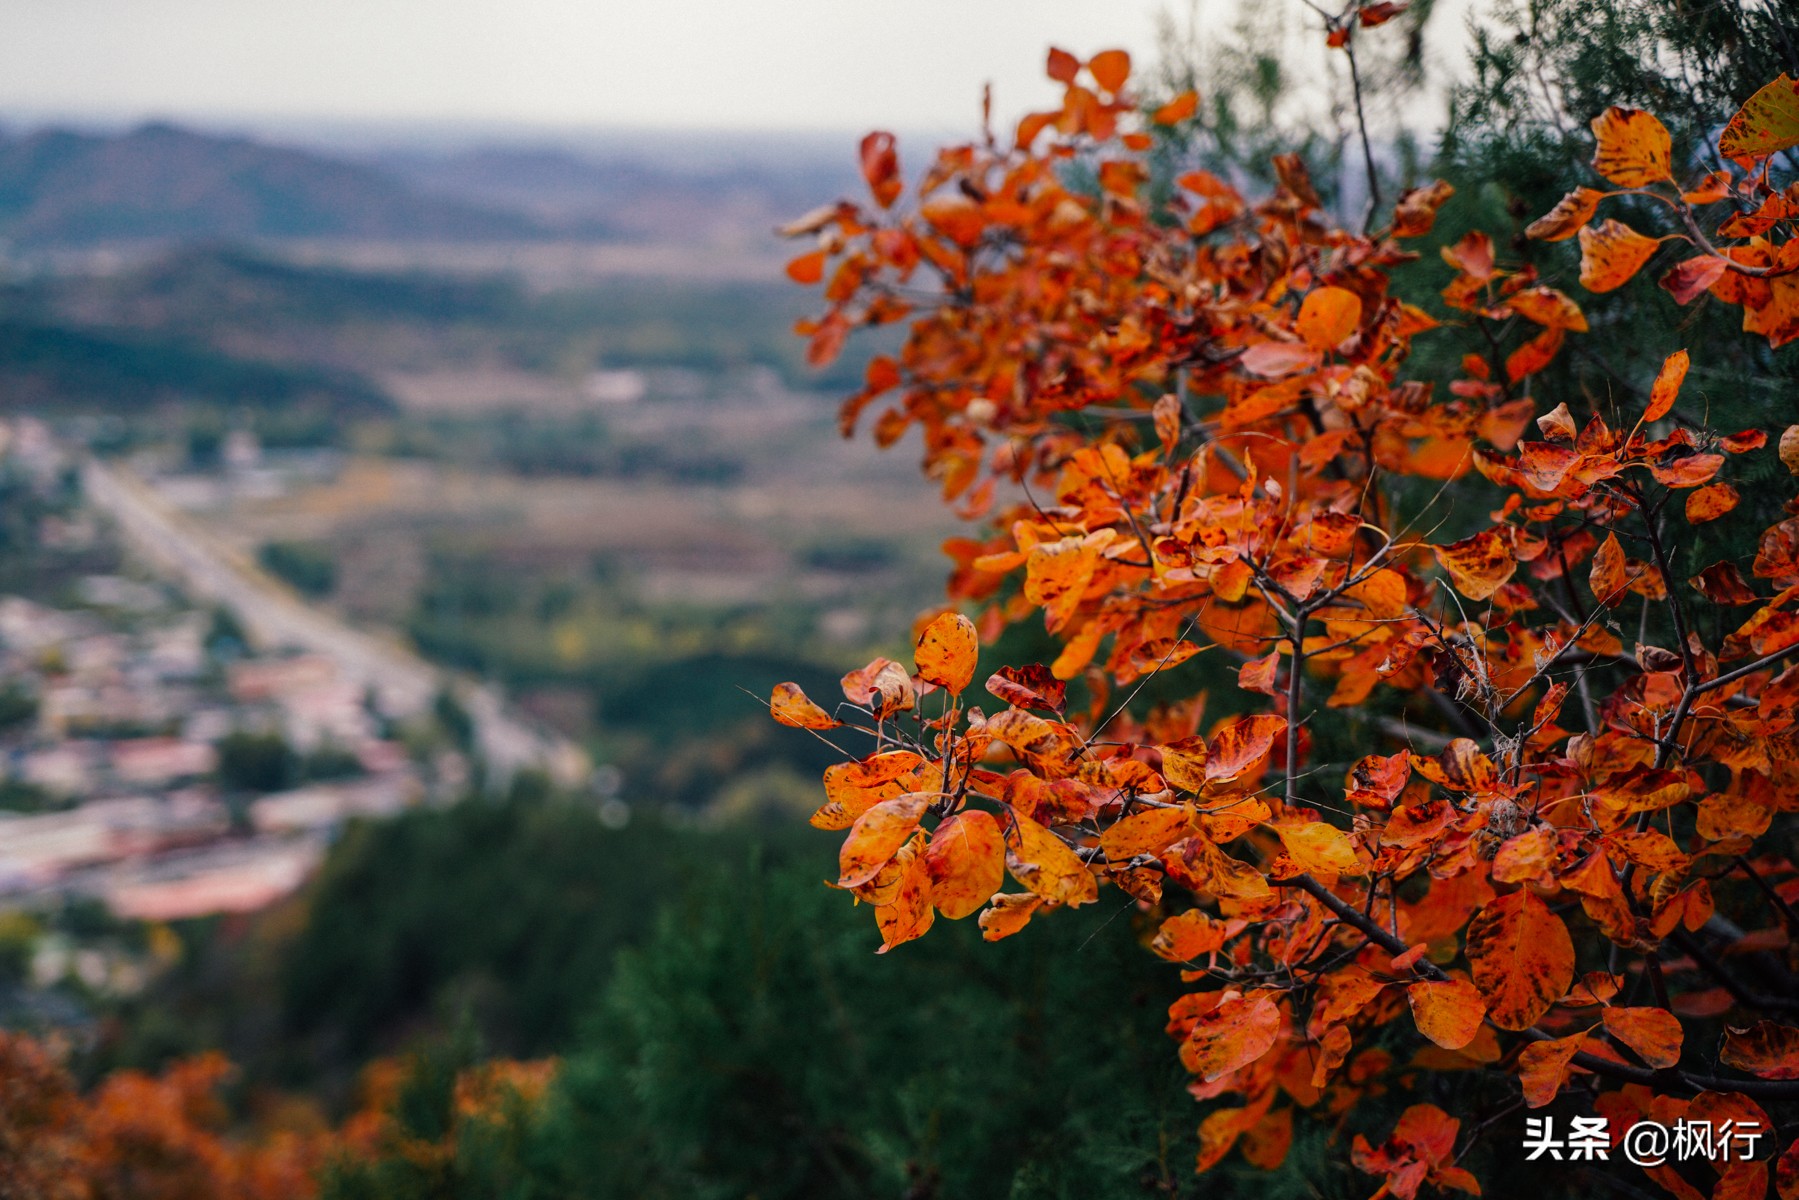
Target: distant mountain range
[60,187]
[160,182]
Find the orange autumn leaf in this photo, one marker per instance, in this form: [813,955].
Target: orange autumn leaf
[1148,832]
[1549,308]
[1178,109]
[946,652]
[1533,355]
[1042,862]
[1110,69]
[1258,674]
[1416,211]
[1317,846]
[789,705]
[1187,936]
[807,268]
[1607,576]
[1568,217]
[908,914]
[1653,1033]
[1522,958]
[1449,1012]
[1634,148]
[1611,253]
[1240,745]
[1478,565]
[1328,316]
[1240,1030]
[1007,913]
[1667,386]
[966,858]
[1711,502]
[878,835]
[1765,1048]
[1543,1067]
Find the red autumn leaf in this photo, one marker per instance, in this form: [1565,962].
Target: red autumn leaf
[880,168]
[1688,280]
[807,268]
[1765,1048]
[1032,686]
[1416,211]
[1722,583]
[1522,956]
[1063,66]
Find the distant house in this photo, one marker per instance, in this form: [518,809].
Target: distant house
[149,762]
[270,678]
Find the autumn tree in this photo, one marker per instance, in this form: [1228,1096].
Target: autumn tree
[1192,436]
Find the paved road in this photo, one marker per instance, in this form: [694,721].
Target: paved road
[273,617]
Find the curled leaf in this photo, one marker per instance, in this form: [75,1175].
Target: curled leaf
[789,705]
[1568,217]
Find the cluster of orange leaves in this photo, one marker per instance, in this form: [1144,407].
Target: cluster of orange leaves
[1189,427]
[168,1137]
[1750,259]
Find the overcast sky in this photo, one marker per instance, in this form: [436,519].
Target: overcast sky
[792,64]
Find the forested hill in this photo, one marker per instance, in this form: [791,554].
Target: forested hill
[159,181]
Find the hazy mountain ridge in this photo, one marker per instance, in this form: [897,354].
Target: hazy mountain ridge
[163,182]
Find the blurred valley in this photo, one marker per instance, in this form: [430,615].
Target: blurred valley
[357,479]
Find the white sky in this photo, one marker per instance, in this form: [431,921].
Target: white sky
[794,64]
